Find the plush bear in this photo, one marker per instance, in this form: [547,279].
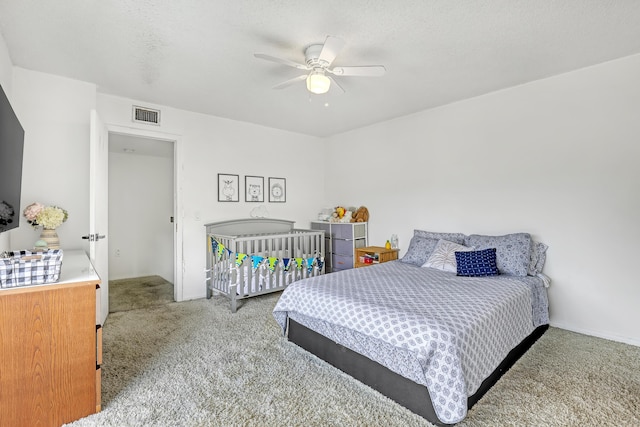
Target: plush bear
[360,215]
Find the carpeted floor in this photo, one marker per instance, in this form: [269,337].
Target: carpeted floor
[196,364]
[139,292]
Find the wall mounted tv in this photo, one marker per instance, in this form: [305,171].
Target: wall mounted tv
[11,150]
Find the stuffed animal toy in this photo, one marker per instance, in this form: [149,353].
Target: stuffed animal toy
[360,215]
[346,217]
[338,214]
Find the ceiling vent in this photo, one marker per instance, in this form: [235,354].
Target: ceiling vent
[146,115]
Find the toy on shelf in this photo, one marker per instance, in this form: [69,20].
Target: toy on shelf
[360,215]
[344,214]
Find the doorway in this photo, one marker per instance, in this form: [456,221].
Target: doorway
[141,220]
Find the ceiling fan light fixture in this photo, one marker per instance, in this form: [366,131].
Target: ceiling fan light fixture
[318,83]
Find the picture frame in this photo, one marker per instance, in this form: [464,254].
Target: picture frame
[277,190]
[254,189]
[228,187]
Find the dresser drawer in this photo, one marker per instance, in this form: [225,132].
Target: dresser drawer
[341,262]
[359,230]
[343,247]
[346,247]
[324,226]
[342,231]
[360,243]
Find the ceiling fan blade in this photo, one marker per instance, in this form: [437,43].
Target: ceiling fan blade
[281,61]
[336,85]
[365,70]
[332,46]
[290,82]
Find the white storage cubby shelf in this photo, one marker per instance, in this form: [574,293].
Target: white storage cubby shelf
[341,242]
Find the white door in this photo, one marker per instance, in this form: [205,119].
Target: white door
[98,207]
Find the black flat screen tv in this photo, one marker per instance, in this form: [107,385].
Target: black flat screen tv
[11,151]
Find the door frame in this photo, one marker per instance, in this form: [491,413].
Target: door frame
[178,264]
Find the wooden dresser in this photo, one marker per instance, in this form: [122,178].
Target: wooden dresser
[51,348]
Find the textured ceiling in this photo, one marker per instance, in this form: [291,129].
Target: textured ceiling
[198,55]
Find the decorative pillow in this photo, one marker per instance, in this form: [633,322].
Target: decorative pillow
[419,250]
[477,263]
[443,256]
[538,257]
[451,237]
[513,251]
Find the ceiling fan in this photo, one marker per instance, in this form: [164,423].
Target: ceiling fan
[318,59]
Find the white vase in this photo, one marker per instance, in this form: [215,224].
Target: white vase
[51,237]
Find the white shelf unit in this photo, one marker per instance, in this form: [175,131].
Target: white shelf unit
[341,242]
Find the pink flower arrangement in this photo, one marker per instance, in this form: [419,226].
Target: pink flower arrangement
[49,217]
[32,211]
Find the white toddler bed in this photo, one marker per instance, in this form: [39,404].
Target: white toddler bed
[256,256]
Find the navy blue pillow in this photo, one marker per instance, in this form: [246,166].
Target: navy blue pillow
[477,263]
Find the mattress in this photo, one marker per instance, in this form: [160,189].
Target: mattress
[445,332]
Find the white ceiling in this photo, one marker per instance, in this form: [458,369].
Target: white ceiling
[197,55]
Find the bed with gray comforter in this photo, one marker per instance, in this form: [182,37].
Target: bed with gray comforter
[445,332]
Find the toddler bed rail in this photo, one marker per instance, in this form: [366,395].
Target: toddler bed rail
[256,256]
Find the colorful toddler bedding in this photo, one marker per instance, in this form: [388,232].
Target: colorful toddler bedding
[437,329]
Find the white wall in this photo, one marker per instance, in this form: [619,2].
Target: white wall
[557,158]
[6,67]
[140,207]
[54,113]
[209,145]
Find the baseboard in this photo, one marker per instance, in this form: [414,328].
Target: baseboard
[598,334]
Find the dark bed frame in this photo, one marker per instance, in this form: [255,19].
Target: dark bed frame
[407,393]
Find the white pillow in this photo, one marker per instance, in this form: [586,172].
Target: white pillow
[443,256]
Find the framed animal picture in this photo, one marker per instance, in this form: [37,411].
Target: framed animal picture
[253,188]
[277,190]
[228,188]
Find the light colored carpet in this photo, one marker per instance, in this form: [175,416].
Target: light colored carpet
[196,364]
[139,292]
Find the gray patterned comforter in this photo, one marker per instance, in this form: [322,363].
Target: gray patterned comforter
[445,332]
